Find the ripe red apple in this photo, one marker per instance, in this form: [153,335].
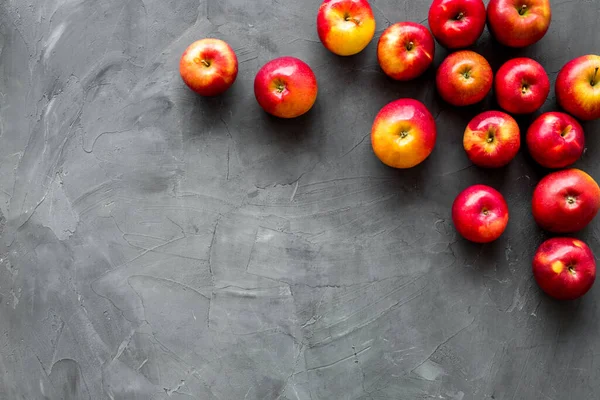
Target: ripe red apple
[403,133]
[564,268]
[555,140]
[285,87]
[457,23]
[521,86]
[565,201]
[480,214]
[405,50]
[492,139]
[518,23]
[464,78]
[208,66]
[578,87]
[345,27]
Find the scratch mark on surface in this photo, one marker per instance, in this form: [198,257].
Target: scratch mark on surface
[294,192]
[287,381]
[443,343]
[356,145]
[521,374]
[124,345]
[353,355]
[142,364]
[456,171]
[32,211]
[170,392]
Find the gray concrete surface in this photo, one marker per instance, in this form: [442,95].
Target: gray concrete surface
[157,245]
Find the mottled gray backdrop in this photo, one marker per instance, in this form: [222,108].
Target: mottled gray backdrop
[157,245]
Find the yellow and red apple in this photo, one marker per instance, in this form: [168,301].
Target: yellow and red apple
[492,139]
[403,133]
[578,87]
[286,87]
[208,66]
[405,50]
[480,214]
[518,23]
[464,78]
[555,140]
[565,201]
[564,268]
[345,27]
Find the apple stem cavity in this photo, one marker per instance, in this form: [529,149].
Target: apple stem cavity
[570,200]
[410,46]
[593,81]
[524,88]
[566,131]
[523,9]
[348,17]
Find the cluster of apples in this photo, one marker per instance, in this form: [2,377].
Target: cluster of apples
[404,131]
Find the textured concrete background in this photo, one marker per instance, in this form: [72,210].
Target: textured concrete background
[158,245]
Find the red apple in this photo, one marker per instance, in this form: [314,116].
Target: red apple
[578,87]
[521,86]
[403,134]
[518,23]
[565,201]
[285,87]
[480,214]
[345,27]
[457,23]
[492,139]
[564,268]
[555,140]
[208,67]
[464,78]
[405,50]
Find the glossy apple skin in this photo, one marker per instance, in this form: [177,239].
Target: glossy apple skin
[555,140]
[208,67]
[521,86]
[512,29]
[403,133]
[457,23]
[405,50]
[464,78]
[564,268]
[565,201]
[345,27]
[286,87]
[578,87]
[492,139]
[480,214]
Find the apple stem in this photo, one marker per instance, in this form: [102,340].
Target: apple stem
[206,63]
[459,16]
[410,46]
[349,18]
[523,9]
[593,81]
